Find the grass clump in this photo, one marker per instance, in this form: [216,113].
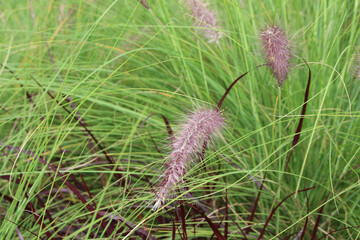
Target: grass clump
[80,79]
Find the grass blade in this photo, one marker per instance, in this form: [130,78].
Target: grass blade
[232,84]
[226,214]
[317,222]
[254,206]
[301,121]
[211,224]
[274,210]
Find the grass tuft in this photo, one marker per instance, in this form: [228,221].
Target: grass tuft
[90,98]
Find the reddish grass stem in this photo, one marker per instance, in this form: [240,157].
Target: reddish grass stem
[301,121]
[274,210]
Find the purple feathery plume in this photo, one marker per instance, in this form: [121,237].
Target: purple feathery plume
[277,51]
[198,128]
[205,19]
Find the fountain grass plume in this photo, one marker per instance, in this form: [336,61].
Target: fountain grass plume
[277,50]
[204,19]
[198,127]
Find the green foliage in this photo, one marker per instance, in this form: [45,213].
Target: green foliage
[118,62]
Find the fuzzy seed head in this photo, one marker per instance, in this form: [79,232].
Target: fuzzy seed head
[205,19]
[277,51]
[198,128]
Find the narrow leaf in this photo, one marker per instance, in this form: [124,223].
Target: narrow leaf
[274,210]
[303,111]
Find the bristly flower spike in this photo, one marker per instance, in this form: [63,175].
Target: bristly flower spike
[277,51]
[198,128]
[205,19]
